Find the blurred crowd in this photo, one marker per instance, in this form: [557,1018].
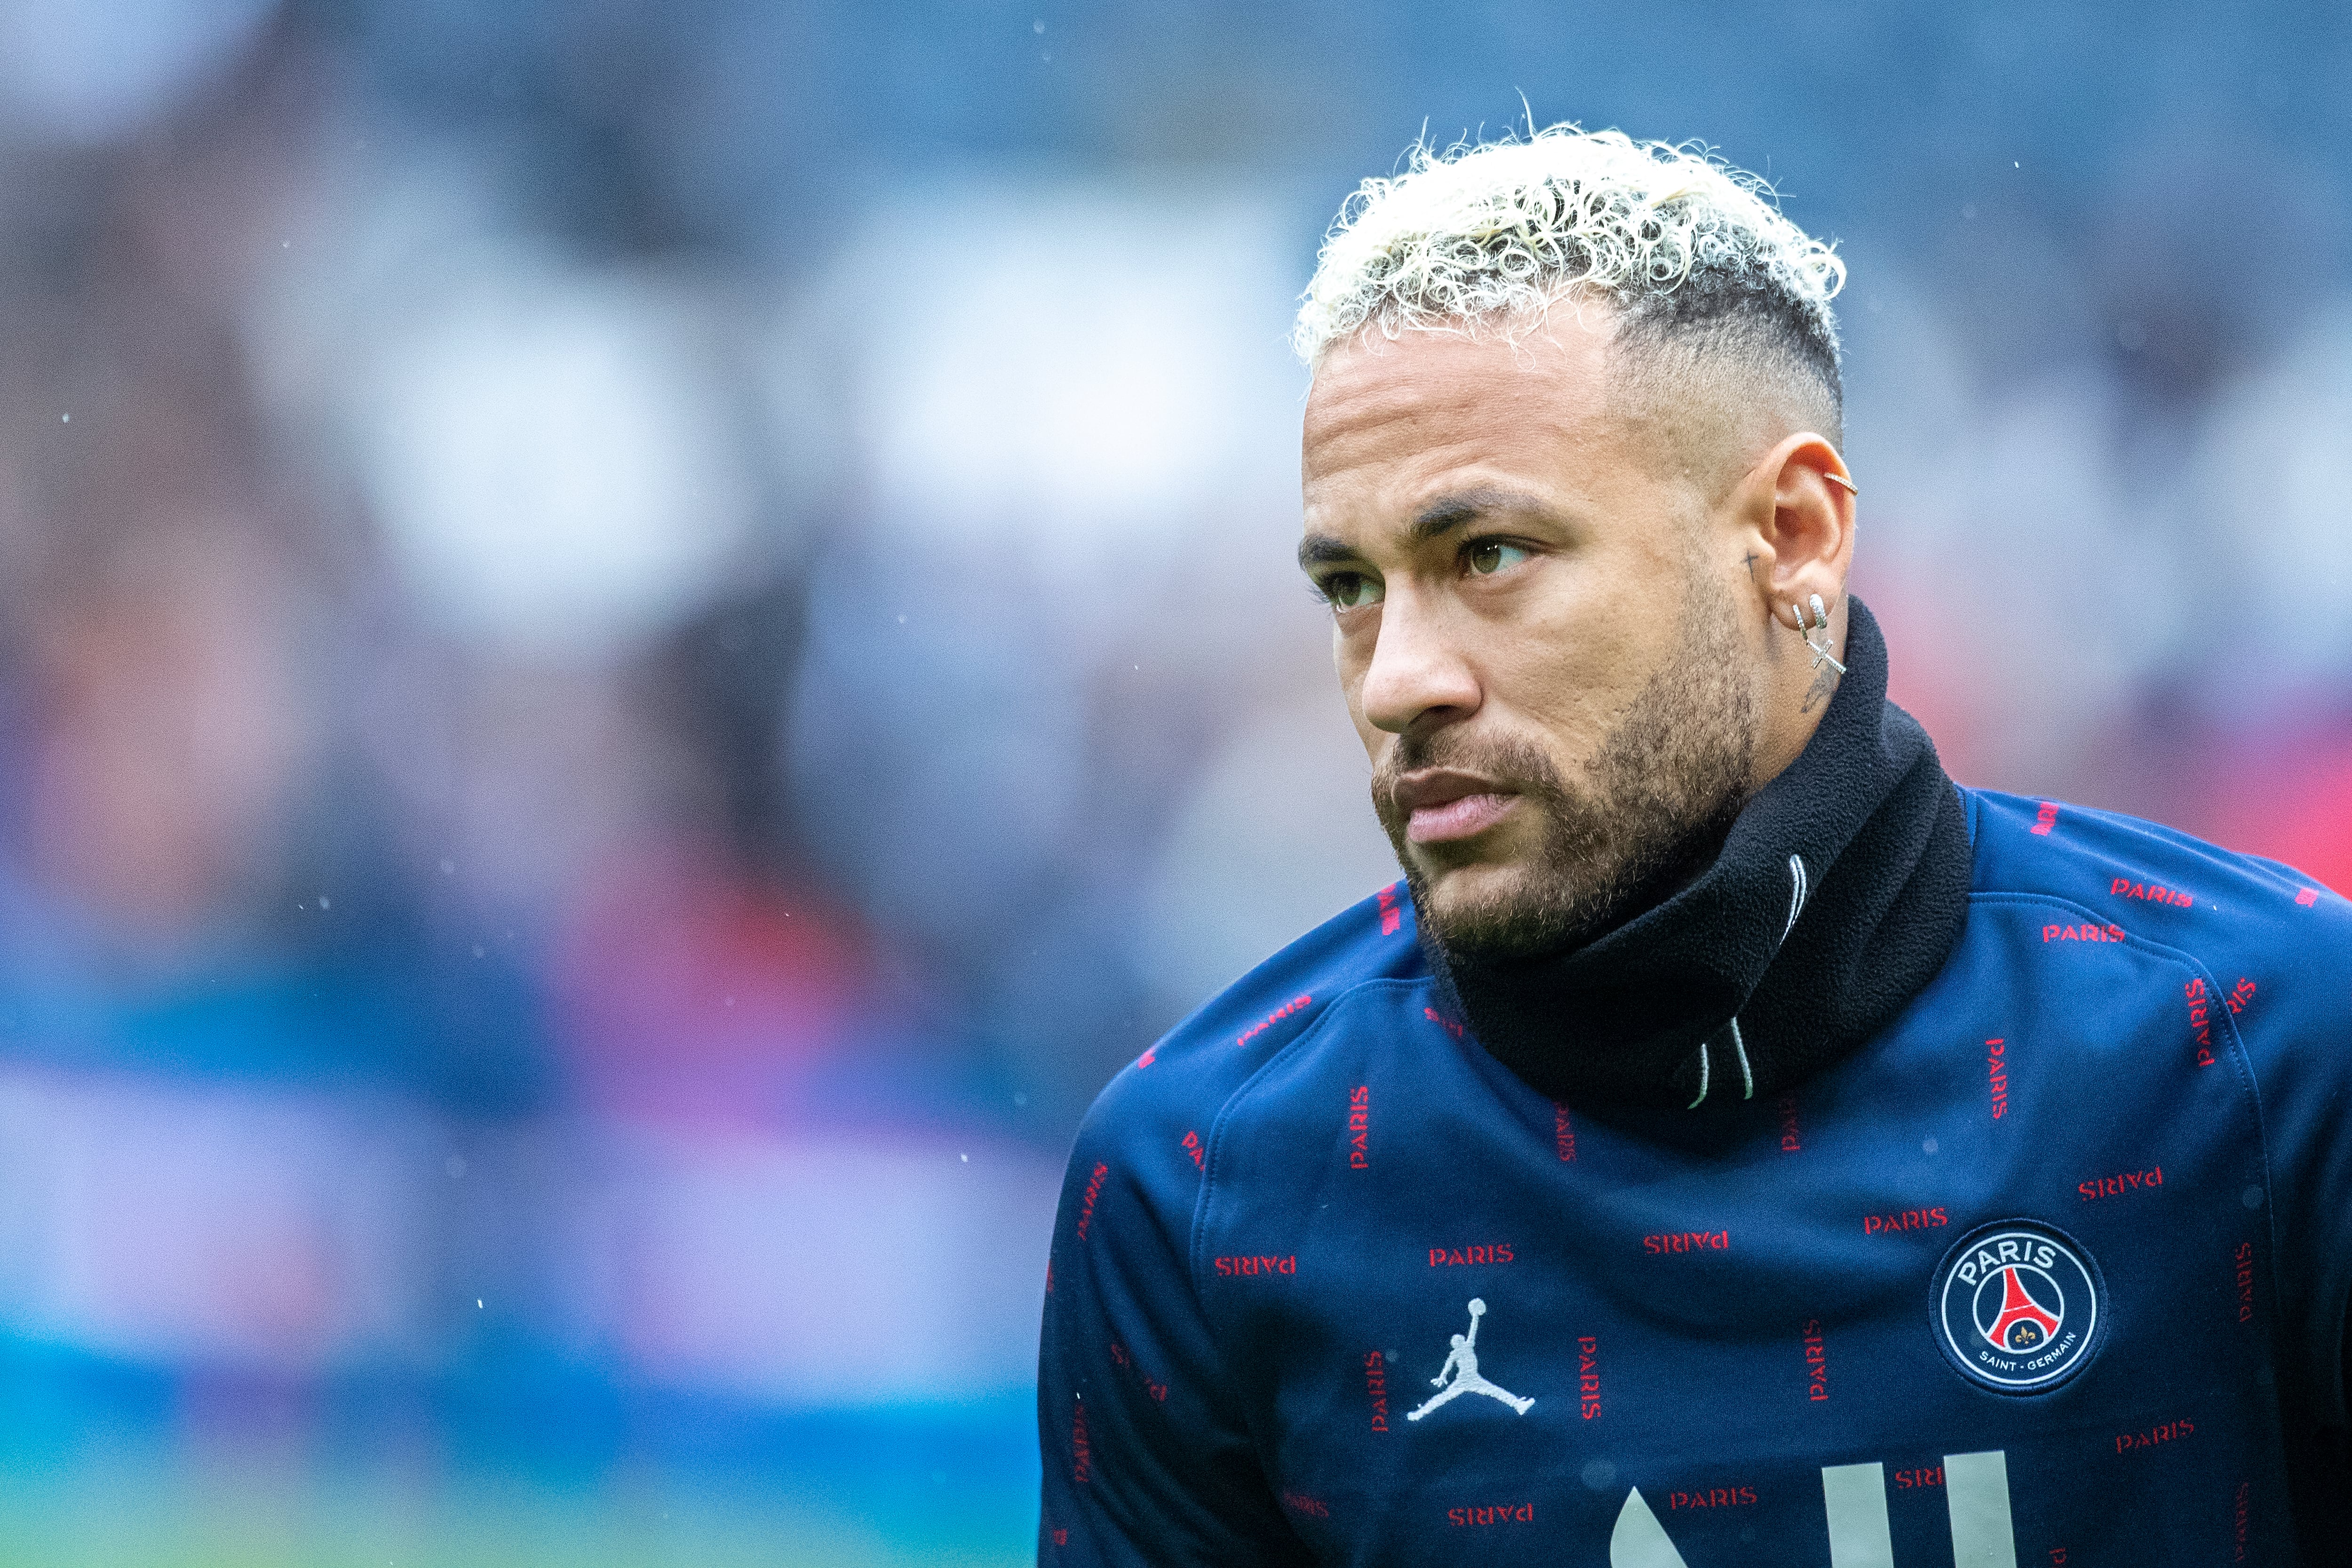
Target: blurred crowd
[638,644]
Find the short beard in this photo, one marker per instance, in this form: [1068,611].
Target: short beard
[1652,813]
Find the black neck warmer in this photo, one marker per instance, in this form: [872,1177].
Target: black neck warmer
[1836,896]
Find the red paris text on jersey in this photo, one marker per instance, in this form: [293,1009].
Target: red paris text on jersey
[1087,1203]
[2125,888]
[1376,1384]
[1192,1147]
[1360,1127]
[1688,1241]
[1441,1021]
[2240,995]
[1926,1476]
[1907,1220]
[1391,916]
[1789,1142]
[1158,1391]
[2170,1432]
[1996,1052]
[1306,1507]
[2084,932]
[2116,1185]
[2046,818]
[1817,1363]
[1462,1257]
[1711,1497]
[1500,1513]
[1563,1135]
[2200,1023]
[1295,1005]
[2243,1259]
[1234,1267]
[1588,1377]
[1082,1457]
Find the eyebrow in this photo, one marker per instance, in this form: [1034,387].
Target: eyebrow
[1448,512]
[1321,549]
[1433,522]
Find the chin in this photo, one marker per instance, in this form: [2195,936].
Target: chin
[1482,908]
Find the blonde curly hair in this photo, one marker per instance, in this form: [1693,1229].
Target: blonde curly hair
[1479,237]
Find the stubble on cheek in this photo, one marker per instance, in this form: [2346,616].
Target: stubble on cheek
[1505,887]
[1655,801]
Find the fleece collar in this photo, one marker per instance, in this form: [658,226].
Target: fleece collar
[1837,896]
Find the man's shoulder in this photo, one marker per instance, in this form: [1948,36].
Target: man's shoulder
[1202,1062]
[2157,883]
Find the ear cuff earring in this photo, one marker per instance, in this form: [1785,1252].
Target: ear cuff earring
[1820,628]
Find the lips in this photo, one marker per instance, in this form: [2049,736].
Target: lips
[1441,805]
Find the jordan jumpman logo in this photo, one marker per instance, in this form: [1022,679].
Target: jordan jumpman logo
[1463,1366]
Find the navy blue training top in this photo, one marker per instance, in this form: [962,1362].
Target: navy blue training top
[2052,1271]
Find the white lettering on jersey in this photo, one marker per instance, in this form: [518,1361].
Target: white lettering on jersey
[1854,1497]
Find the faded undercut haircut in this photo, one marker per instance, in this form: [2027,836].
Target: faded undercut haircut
[1707,279]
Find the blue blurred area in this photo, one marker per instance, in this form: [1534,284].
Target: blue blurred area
[639,643]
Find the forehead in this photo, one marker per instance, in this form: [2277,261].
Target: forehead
[1388,421]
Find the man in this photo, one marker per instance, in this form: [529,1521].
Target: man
[1851,1168]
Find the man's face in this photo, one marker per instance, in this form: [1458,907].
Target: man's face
[1537,623]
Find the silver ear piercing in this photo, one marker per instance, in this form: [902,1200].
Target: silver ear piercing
[1824,649]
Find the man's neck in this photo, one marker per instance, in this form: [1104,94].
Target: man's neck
[1747,951]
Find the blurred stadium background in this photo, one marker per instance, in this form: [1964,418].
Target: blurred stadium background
[638,642]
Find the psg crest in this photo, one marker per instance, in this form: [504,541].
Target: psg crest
[2017,1305]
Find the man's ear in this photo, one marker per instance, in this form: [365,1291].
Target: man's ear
[1803,505]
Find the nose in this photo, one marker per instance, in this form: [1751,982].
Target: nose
[1416,677]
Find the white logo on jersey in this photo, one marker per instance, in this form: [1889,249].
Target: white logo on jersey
[1462,1366]
[1797,891]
